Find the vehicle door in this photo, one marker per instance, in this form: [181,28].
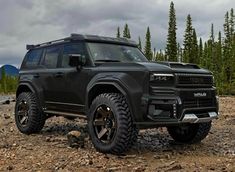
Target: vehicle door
[50,76]
[71,83]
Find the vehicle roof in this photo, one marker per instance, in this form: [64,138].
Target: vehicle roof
[89,38]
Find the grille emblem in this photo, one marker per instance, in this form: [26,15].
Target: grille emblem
[200,94]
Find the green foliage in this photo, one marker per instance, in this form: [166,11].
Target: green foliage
[140,44]
[147,48]
[219,56]
[126,32]
[194,49]
[8,84]
[216,54]
[171,45]
[179,52]
[118,33]
[188,40]
[160,56]
[200,51]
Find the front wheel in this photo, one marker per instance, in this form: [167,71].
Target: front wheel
[190,133]
[110,124]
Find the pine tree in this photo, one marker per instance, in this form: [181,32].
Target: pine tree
[218,70]
[212,37]
[147,48]
[188,39]
[154,54]
[211,50]
[129,34]
[3,80]
[231,22]
[194,52]
[200,51]
[160,56]
[179,53]
[171,47]
[232,50]
[205,56]
[126,32]
[118,32]
[226,50]
[140,44]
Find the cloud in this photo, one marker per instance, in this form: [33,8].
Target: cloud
[31,21]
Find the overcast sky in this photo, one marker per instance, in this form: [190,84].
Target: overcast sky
[32,21]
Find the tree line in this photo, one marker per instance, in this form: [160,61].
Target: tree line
[217,53]
[8,84]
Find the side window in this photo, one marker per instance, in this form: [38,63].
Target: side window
[33,58]
[77,48]
[51,57]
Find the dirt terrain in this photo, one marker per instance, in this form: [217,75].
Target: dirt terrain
[154,150]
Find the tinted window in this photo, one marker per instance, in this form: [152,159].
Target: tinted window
[77,48]
[51,57]
[33,58]
[114,52]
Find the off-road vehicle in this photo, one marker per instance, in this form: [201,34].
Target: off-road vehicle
[111,83]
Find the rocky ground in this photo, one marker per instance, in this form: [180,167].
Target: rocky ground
[154,151]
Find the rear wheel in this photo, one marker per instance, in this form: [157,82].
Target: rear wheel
[110,124]
[28,116]
[190,133]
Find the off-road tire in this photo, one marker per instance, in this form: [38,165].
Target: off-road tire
[36,118]
[125,135]
[134,136]
[195,132]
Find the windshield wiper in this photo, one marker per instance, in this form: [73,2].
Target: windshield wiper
[107,60]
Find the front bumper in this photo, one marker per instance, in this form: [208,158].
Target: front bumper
[193,118]
[179,107]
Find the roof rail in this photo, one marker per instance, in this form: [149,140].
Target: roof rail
[75,36]
[28,47]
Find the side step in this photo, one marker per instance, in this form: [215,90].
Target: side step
[65,114]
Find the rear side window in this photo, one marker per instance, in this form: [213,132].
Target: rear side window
[77,48]
[33,58]
[51,57]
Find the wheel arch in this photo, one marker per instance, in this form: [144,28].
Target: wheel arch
[123,85]
[27,87]
[103,87]
[24,87]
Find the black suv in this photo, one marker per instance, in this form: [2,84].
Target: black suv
[110,82]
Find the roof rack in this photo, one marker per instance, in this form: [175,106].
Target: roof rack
[75,36]
[28,47]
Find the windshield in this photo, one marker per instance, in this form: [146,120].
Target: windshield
[103,52]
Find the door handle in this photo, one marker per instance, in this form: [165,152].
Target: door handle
[59,74]
[36,75]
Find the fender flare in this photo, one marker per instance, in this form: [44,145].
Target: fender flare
[117,82]
[33,89]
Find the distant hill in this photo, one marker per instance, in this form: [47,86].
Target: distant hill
[10,70]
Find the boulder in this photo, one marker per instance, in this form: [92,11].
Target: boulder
[76,139]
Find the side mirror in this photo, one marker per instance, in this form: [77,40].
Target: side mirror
[77,60]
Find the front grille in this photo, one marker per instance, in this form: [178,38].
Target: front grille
[190,80]
[194,103]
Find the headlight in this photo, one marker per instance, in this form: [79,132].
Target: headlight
[162,79]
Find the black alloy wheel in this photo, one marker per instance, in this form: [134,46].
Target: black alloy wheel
[104,124]
[23,113]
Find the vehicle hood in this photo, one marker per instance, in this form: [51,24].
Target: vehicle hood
[159,67]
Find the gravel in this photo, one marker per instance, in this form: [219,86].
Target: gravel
[51,150]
